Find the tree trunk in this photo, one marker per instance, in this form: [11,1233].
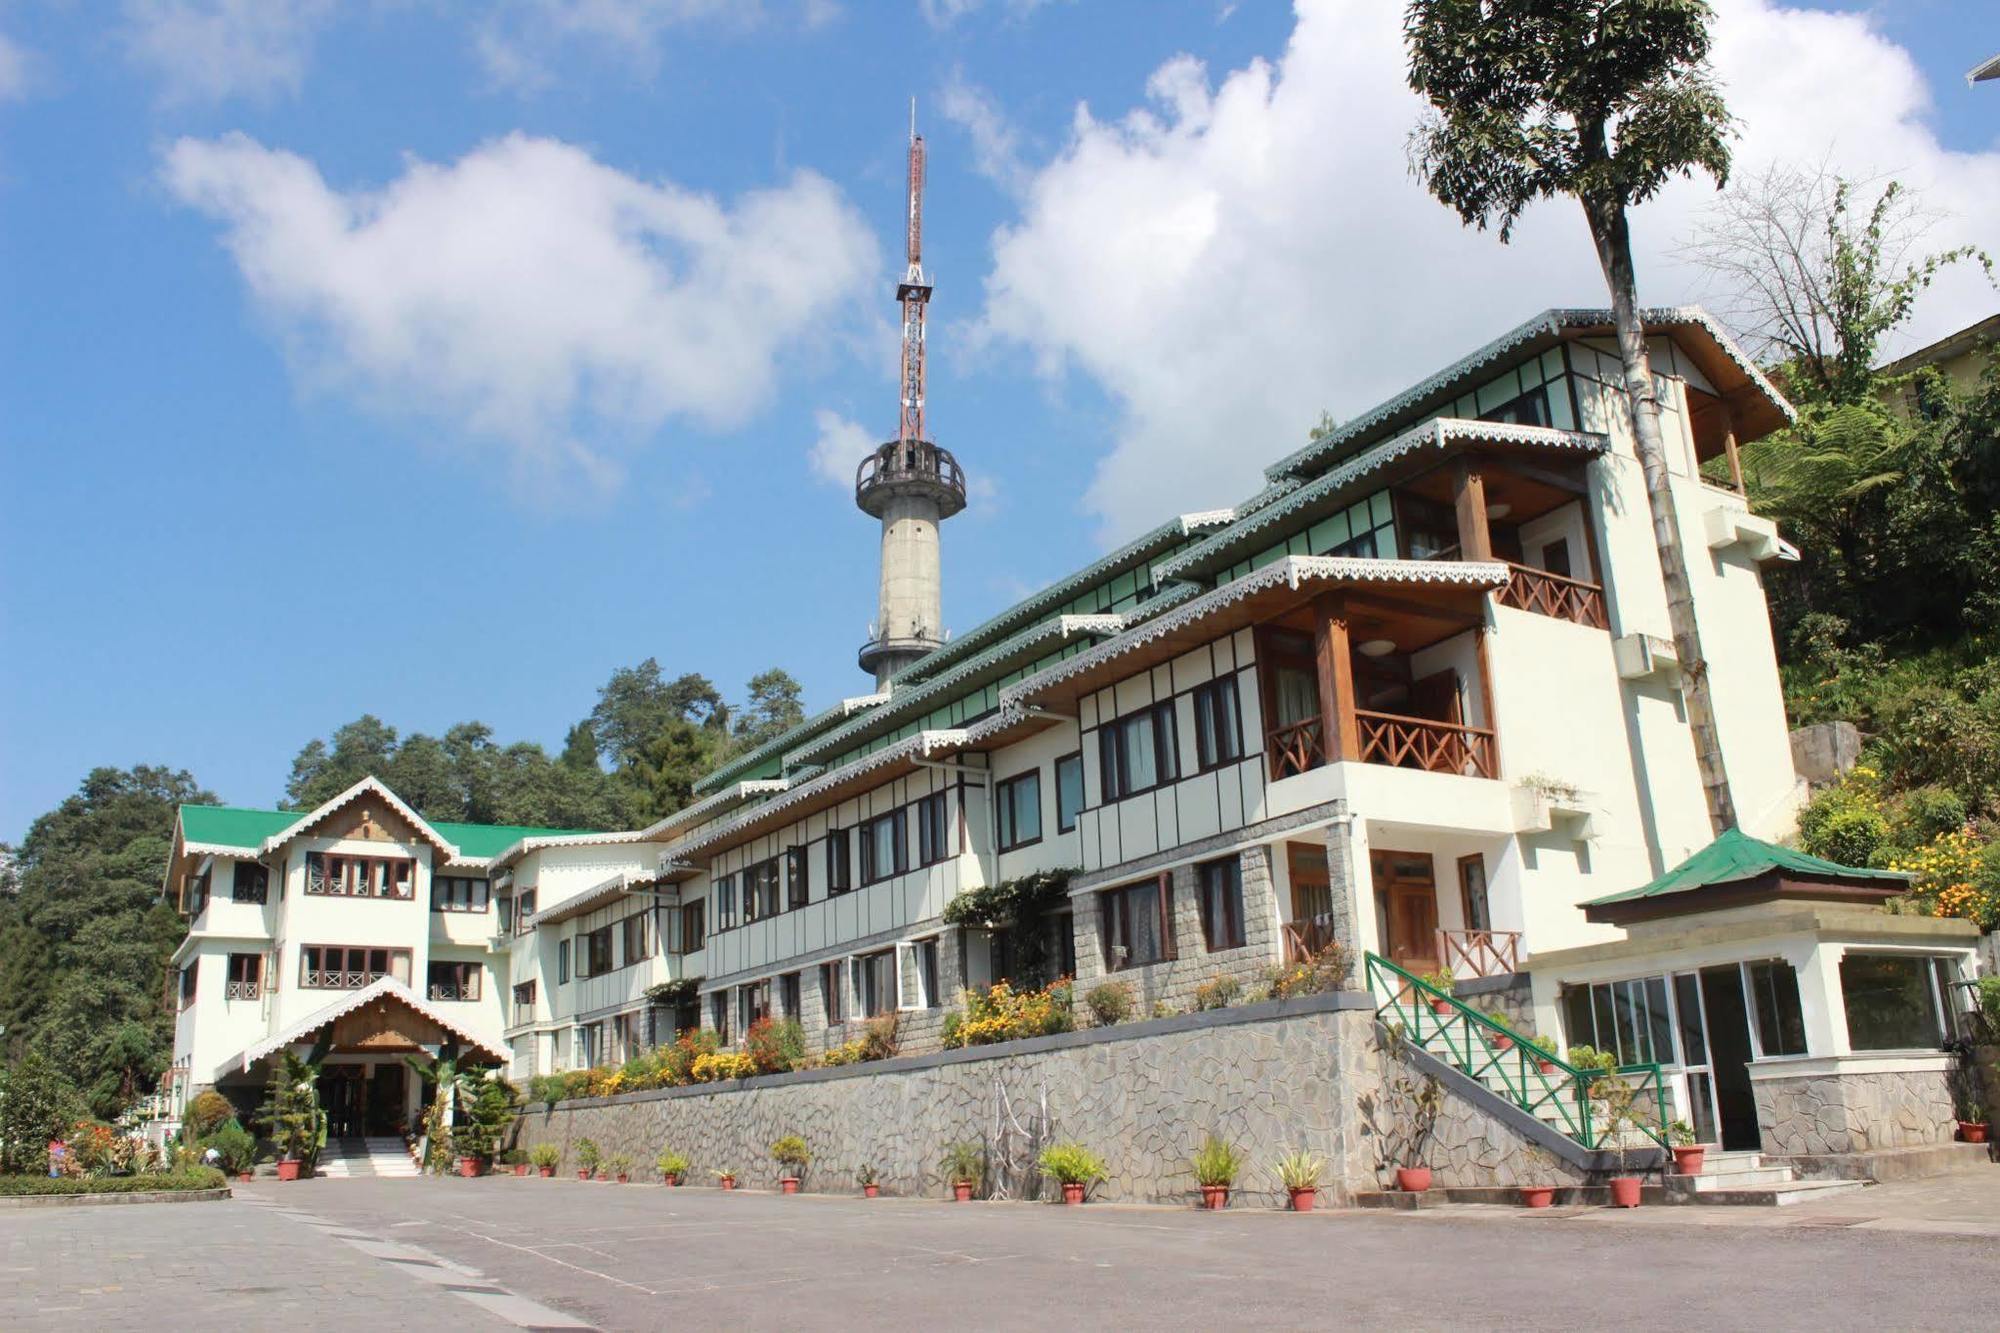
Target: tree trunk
[1610,230]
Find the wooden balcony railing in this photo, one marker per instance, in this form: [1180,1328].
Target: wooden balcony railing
[1294,749]
[1305,937]
[337,979]
[1480,953]
[1416,742]
[1555,595]
[448,990]
[242,990]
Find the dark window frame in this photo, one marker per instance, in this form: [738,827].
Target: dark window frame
[839,862]
[258,890]
[562,962]
[597,948]
[1073,761]
[693,925]
[237,985]
[832,995]
[1113,775]
[458,968]
[897,819]
[1224,877]
[1117,913]
[446,894]
[348,953]
[642,922]
[798,886]
[761,888]
[1219,704]
[1006,817]
[330,871]
[933,827]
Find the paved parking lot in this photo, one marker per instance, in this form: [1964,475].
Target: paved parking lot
[504,1252]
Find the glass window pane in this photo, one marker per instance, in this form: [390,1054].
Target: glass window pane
[1600,1012]
[1687,1005]
[1659,1023]
[1781,1026]
[1890,1004]
[1138,754]
[1577,1023]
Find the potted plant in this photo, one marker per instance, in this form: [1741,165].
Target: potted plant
[588,1155]
[292,1116]
[1972,1126]
[673,1166]
[964,1165]
[236,1148]
[1541,1164]
[1500,1040]
[1075,1167]
[471,1166]
[792,1157]
[546,1157]
[1299,1173]
[726,1177]
[1621,1124]
[517,1159]
[865,1177]
[1216,1166]
[1439,980]
[1544,1051]
[621,1167]
[1687,1153]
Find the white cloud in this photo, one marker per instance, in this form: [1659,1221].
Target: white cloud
[15,78]
[516,39]
[210,50]
[996,145]
[530,297]
[1234,256]
[944,13]
[841,446]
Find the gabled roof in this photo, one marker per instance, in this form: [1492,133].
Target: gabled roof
[225,829]
[1738,861]
[383,987]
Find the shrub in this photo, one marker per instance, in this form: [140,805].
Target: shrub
[775,1047]
[964,1163]
[1922,814]
[791,1152]
[1324,971]
[878,1038]
[1845,823]
[38,1103]
[205,1114]
[588,1154]
[545,1156]
[193,1178]
[671,1163]
[1586,1058]
[1947,875]
[1000,1013]
[1300,1170]
[1218,993]
[721,1066]
[1072,1164]
[91,1144]
[849,1053]
[235,1145]
[1217,1162]
[1110,1002]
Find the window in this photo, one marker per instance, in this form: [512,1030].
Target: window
[562,962]
[932,825]
[453,981]
[875,983]
[830,993]
[526,908]
[1019,800]
[589,1045]
[246,977]
[188,979]
[250,883]
[885,849]
[1137,927]
[754,1003]
[624,1037]
[504,913]
[917,974]
[1138,752]
[718,1015]
[524,1002]
[342,967]
[788,997]
[1774,998]
[1222,903]
[1529,409]
[797,891]
[1472,893]
[196,896]
[725,902]
[358,876]
[635,938]
[692,931]
[1631,1019]
[1069,791]
[596,960]
[453,893]
[1555,557]
[839,869]
[1892,1001]
[1218,736]
[760,890]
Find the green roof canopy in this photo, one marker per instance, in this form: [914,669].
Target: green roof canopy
[1737,860]
[229,826]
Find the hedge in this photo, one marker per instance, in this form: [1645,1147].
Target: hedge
[200,1178]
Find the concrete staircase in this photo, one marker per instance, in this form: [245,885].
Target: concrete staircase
[1746,1178]
[366,1157]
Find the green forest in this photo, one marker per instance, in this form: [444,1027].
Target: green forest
[1889,486]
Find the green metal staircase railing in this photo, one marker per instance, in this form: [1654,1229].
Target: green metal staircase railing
[1491,1053]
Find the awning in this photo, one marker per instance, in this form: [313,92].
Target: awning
[1736,869]
[384,988]
[619,886]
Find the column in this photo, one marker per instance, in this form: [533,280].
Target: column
[1475,536]
[1335,662]
[1352,886]
[1087,923]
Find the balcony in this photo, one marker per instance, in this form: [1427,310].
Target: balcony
[914,468]
[1306,937]
[242,990]
[1480,953]
[1551,594]
[1425,743]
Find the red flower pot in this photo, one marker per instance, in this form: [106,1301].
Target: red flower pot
[520,1168]
[1441,1006]
[583,1175]
[673,1178]
[245,1176]
[622,1177]
[471,1166]
[1625,1192]
[1687,1160]
[546,1171]
[1502,1042]
[1214,1196]
[1972,1131]
[1302,1198]
[961,1190]
[1072,1193]
[788,1184]
[1546,1066]
[729,1182]
[1413,1179]
[870,1191]
[288,1168]
[1538,1196]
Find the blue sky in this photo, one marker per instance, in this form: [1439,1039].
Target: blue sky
[434,361]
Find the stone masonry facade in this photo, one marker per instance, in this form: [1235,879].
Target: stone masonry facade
[1856,1112]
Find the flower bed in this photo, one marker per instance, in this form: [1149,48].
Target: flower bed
[200,1178]
[1001,1013]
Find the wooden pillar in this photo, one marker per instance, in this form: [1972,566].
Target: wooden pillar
[1339,738]
[1729,447]
[1475,536]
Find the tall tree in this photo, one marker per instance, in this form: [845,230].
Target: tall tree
[1603,101]
[775,706]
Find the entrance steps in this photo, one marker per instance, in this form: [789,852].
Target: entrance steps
[366,1157]
[1747,1178]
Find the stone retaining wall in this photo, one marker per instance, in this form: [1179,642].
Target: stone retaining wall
[1854,1112]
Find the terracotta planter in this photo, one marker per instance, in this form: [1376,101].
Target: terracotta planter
[1972,1131]
[1538,1196]
[788,1184]
[1546,1066]
[673,1179]
[1413,1179]
[961,1190]
[246,1176]
[520,1168]
[623,1177]
[1072,1193]
[729,1182]
[546,1171]
[870,1191]
[1441,1006]
[1687,1159]
[583,1175]
[1214,1197]
[1302,1198]
[472,1166]
[1502,1042]
[1625,1191]
[288,1168]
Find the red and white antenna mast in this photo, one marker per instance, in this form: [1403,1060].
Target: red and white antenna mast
[915,294]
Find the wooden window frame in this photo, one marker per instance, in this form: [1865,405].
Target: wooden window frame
[1208,699]
[347,951]
[250,987]
[644,926]
[798,885]
[382,871]
[1074,757]
[792,996]
[898,820]
[444,894]
[1006,818]
[592,939]
[693,924]
[461,969]
[259,889]
[1162,886]
[839,862]
[933,828]
[1112,774]
[723,891]
[562,962]
[1465,892]
[832,997]
[190,984]
[1230,868]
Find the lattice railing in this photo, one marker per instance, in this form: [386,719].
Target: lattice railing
[1295,749]
[1306,937]
[1480,953]
[338,979]
[242,990]
[1556,595]
[1416,742]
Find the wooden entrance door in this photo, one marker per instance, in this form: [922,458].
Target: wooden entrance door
[1406,900]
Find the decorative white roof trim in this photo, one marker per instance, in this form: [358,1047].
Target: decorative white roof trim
[1292,571]
[728,796]
[319,1018]
[1433,434]
[1207,518]
[541,842]
[221,849]
[919,746]
[363,787]
[849,707]
[592,898]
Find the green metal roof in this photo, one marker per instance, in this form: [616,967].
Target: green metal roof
[1737,856]
[230,826]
